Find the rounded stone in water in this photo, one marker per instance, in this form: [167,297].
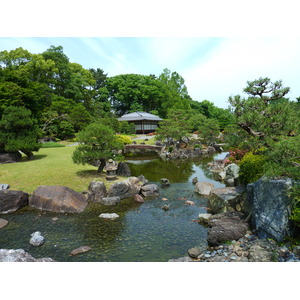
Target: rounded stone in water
[111,216]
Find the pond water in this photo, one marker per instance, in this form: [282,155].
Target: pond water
[143,232]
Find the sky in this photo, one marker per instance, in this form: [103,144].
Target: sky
[213,68]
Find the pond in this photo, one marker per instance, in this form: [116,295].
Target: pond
[143,232]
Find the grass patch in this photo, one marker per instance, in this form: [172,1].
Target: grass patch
[52,145]
[151,141]
[50,166]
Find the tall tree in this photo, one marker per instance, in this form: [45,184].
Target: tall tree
[97,144]
[18,131]
[265,115]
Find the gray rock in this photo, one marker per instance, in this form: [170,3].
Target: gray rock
[3,223]
[166,207]
[57,198]
[36,239]
[204,188]
[204,218]
[19,255]
[10,201]
[165,182]
[110,216]
[296,250]
[181,259]
[195,180]
[142,180]
[4,186]
[211,150]
[194,252]
[226,227]
[138,198]
[232,171]
[96,191]
[125,189]
[262,251]
[228,199]
[271,208]
[123,169]
[110,201]
[150,190]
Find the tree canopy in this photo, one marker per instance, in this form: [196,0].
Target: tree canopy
[64,97]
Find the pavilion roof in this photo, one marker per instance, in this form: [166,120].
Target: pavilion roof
[138,116]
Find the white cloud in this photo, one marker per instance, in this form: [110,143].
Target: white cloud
[237,60]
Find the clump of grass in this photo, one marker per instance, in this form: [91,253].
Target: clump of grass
[52,145]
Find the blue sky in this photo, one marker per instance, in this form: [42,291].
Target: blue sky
[216,46]
[213,68]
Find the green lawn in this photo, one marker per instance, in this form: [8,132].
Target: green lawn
[50,166]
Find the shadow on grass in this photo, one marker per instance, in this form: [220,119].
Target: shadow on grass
[90,174]
[35,157]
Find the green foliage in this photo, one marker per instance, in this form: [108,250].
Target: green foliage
[125,139]
[51,145]
[126,127]
[174,128]
[295,196]
[284,158]
[251,167]
[210,131]
[97,144]
[265,116]
[196,121]
[18,131]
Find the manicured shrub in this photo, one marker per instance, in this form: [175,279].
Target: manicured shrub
[124,139]
[251,167]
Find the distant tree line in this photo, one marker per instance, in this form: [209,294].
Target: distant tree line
[62,97]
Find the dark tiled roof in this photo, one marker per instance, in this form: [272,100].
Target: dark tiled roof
[136,116]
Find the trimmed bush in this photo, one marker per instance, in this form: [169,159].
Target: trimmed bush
[251,167]
[124,139]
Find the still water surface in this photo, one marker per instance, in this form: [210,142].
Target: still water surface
[144,232]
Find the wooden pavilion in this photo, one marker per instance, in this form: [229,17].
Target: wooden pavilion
[144,122]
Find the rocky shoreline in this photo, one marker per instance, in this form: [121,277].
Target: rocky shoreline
[249,248]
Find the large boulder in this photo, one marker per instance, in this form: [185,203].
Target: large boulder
[110,201]
[58,198]
[226,227]
[126,188]
[271,207]
[10,201]
[19,255]
[231,174]
[204,188]
[150,190]
[228,199]
[12,157]
[96,191]
[123,169]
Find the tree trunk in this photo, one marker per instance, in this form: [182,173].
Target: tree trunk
[102,165]
[28,153]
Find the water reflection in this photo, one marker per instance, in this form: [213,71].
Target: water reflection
[143,232]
